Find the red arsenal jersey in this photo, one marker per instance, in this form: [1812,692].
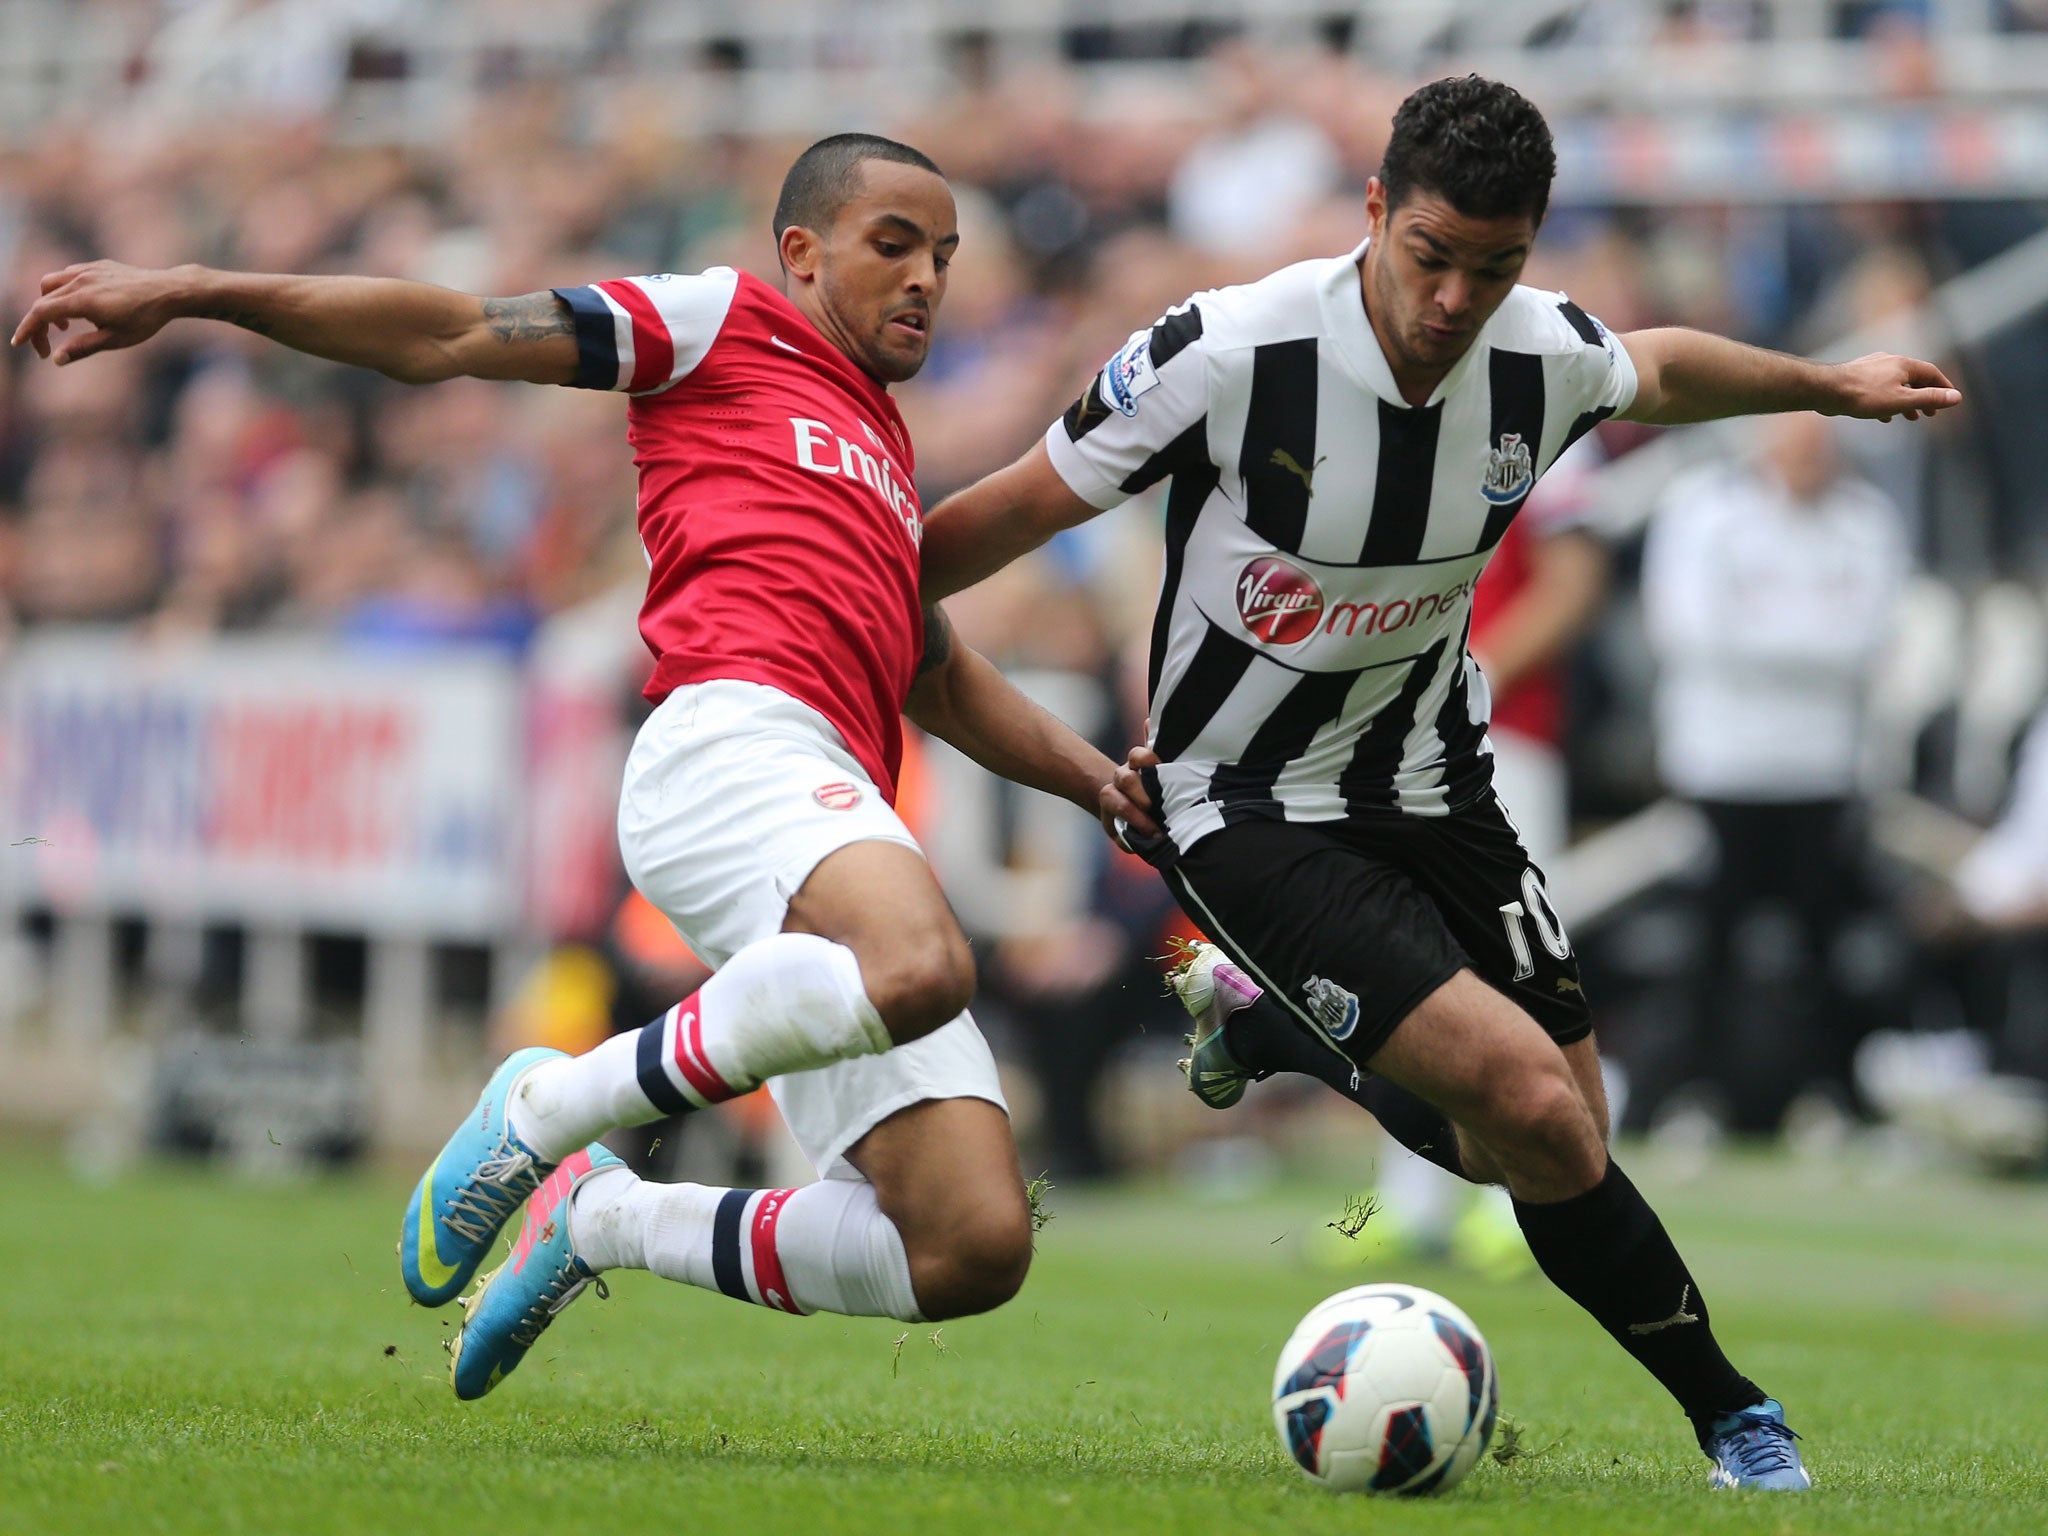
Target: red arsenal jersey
[776,499]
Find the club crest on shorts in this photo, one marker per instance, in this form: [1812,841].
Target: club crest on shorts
[1129,374]
[837,797]
[1334,1008]
[1510,470]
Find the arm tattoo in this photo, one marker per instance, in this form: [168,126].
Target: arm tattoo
[938,640]
[530,317]
[248,320]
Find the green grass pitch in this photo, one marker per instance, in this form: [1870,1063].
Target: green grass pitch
[186,1354]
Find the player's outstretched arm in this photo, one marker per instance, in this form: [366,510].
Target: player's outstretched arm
[974,533]
[413,332]
[961,698]
[1685,376]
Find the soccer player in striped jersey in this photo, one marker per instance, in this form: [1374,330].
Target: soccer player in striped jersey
[1347,441]
[781,522]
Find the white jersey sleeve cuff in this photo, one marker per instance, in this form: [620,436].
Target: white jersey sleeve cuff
[1624,381]
[1082,477]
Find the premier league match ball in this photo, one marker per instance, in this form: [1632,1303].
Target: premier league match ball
[1385,1389]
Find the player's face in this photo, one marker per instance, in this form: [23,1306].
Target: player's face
[1436,276]
[881,270]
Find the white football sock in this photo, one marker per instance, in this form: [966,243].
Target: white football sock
[842,1254]
[784,1004]
[824,1248]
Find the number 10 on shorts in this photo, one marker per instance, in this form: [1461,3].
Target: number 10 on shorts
[1534,907]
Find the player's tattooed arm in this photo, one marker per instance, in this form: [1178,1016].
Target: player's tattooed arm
[530,317]
[413,332]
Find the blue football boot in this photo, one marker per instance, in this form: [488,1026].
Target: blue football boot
[513,1304]
[470,1191]
[1754,1448]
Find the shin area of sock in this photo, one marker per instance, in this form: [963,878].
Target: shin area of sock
[825,1247]
[788,1003]
[1607,1250]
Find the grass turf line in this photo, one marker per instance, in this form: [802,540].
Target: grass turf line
[186,1354]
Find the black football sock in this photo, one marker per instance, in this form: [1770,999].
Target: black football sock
[1264,1038]
[1607,1250]
[1417,1124]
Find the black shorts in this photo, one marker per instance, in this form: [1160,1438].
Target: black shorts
[1352,923]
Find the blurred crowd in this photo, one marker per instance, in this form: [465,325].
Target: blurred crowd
[212,482]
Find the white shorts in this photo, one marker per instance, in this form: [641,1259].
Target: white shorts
[734,793]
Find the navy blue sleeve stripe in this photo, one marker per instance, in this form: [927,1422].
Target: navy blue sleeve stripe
[652,1075]
[597,339]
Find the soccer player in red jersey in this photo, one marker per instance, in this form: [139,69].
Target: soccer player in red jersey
[782,527]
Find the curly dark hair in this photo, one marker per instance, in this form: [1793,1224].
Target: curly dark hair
[1479,145]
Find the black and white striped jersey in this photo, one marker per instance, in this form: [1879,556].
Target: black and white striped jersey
[1323,537]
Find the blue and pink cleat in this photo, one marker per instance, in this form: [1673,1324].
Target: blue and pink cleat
[513,1304]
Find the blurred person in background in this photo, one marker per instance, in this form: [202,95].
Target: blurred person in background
[2001,885]
[1768,589]
[2003,881]
[1977,1081]
[1241,187]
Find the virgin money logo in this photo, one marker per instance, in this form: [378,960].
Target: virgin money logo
[1278,602]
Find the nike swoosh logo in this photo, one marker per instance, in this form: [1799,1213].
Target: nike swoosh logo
[432,1270]
[778,341]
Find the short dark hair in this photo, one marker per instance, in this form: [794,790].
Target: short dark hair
[1479,145]
[827,175]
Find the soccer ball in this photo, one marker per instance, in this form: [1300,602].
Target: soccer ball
[1385,1389]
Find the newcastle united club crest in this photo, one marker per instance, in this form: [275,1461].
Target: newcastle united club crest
[1510,471]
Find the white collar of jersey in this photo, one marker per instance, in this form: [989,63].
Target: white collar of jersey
[1342,293]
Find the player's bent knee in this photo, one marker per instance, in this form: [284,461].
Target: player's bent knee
[920,983]
[981,1265]
[1543,1114]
